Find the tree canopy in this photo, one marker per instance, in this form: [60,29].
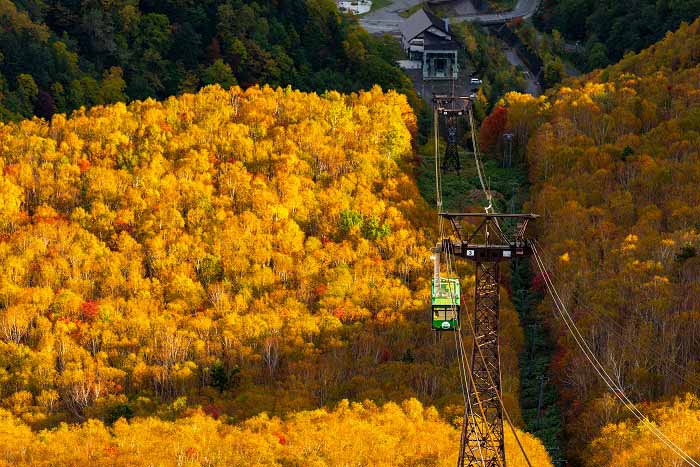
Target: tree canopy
[58,56]
[615,166]
[192,263]
[392,435]
[610,28]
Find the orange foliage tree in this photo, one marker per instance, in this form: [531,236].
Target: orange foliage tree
[615,166]
[242,250]
[352,433]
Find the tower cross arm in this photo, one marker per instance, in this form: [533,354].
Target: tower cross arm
[489,236]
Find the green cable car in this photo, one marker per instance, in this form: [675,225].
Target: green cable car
[446,300]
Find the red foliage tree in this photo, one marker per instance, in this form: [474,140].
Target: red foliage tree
[88,311]
[84,165]
[213,411]
[493,127]
[281,438]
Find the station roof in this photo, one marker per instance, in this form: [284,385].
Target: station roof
[433,42]
[419,22]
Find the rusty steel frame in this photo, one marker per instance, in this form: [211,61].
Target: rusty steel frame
[451,108]
[482,439]
[487,245]
[451,157]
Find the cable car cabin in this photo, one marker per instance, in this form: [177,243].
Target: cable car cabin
[445,305]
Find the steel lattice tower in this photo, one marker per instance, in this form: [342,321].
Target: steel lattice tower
[483,439]
[451,158]
[482,442]
[452,108]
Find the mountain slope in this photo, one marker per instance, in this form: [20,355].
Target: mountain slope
[58,56]
[259,250]
[614,161]
[352,434]
[609,29]
[215,240]
[225,253]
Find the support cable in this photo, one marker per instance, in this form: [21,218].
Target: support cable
[479,165]
[467,371]
[438,182]
[481,170]
[464,368]
[614,387]
[462,379]
[600,369]
[464,364]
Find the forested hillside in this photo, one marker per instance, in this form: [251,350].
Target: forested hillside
[408,435]
[615,166]
[241,275]
[223,253]
[60,55]
[630,444]
[214,242]
[610,28]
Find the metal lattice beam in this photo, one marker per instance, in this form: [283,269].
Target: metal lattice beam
[481,239]
[482,434]
[451,108]
[451,158]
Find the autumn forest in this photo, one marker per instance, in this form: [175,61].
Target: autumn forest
[220,256]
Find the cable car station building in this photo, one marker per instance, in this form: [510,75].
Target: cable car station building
[427,39]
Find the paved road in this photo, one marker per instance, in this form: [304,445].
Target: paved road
[387,19]
[523,9]
[465,8]
[531,84]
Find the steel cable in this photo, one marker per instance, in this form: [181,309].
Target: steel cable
[467,370]
[599,368]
